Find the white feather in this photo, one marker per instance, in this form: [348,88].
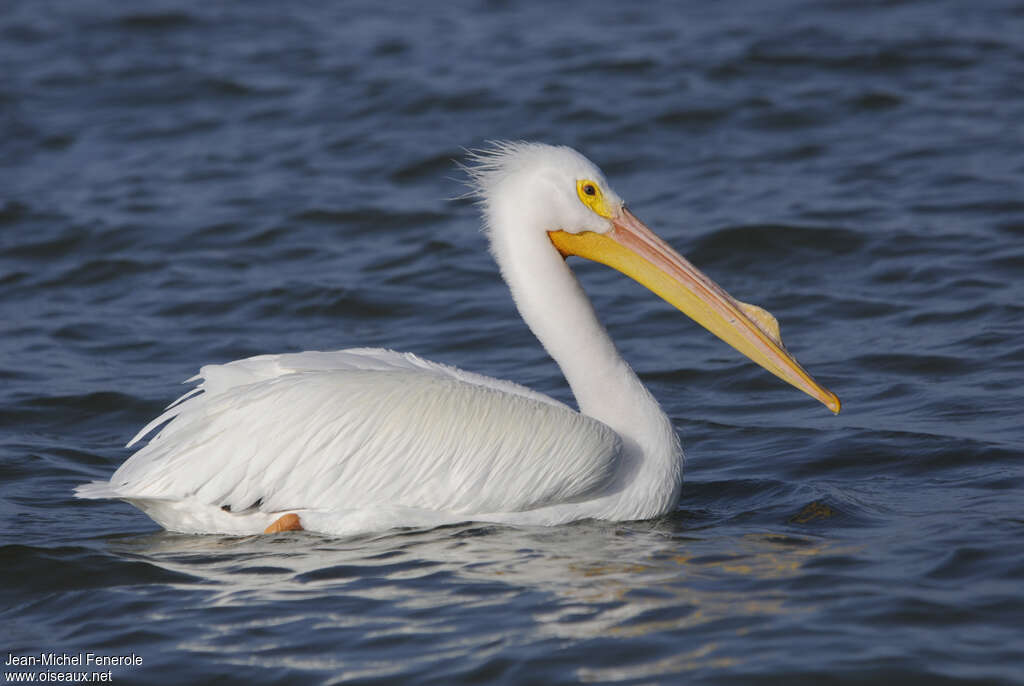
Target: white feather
[357,428]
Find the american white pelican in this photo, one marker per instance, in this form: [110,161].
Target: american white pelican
[364,439]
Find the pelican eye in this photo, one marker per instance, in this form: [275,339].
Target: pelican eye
[591,195]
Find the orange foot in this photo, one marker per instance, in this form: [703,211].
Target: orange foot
[288,522]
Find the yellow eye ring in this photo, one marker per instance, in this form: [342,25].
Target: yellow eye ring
[591,195]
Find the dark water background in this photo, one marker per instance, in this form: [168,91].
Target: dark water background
[186,183]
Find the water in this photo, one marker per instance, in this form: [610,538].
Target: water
[197,182]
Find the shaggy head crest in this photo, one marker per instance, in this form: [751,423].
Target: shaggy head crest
[487,167]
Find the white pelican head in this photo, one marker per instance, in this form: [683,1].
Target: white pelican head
[554,199]
[568,188]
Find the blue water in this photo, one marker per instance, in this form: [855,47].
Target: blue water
[187,183]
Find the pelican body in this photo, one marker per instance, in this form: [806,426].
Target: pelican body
[368,439]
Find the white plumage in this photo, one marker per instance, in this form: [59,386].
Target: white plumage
[348,431]
[366,439]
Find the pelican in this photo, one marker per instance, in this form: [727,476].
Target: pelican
[369,439]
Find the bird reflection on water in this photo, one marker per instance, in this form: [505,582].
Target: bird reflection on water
[586,581]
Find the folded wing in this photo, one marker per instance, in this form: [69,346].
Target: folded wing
[364,428]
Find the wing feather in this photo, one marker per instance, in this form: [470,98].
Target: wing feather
[364,428]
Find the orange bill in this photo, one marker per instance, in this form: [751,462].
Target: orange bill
[636,251]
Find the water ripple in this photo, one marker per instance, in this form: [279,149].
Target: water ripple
[193,184]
